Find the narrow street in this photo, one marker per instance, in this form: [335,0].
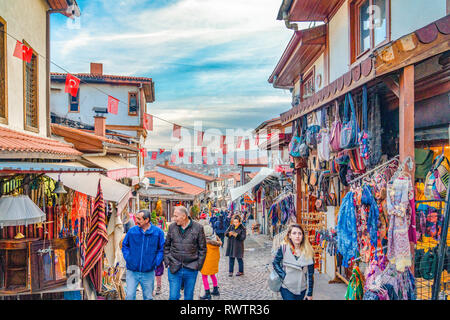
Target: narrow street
[253,285]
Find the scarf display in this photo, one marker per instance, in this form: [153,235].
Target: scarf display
[347,244]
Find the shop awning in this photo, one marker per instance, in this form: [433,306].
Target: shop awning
[239,191]
[38,167]
[19,210]
[87,183]
[116,166]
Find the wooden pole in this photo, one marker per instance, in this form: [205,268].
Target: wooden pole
[406,125]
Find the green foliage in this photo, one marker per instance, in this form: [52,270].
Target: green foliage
[154,219]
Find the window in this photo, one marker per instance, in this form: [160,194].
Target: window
[30,93]
[3,104]
[369,22]
[308,85]
[74,102]
[132,104]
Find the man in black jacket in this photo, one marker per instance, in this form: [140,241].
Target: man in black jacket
[184,253]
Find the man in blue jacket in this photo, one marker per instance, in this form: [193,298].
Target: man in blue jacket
[143,250]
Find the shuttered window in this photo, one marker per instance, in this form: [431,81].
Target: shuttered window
[31,94]
[132,103]
[3,106]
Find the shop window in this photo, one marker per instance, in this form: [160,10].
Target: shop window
[74,102]
[30,90]
[132,103]
[308,85]
[369,23]
[3,105]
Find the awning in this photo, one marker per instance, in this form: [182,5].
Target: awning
[116,166]
[87,183]
[41,167]
[239,191]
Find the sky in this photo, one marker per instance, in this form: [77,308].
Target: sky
[209,59]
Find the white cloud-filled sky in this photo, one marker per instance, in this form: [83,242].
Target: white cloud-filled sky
[209,59]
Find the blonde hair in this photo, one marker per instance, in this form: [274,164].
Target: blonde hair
[305,247]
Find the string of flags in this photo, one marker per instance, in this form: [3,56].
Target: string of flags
[72,84]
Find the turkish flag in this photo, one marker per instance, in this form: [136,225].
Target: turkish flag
[181,153]
[247,144]
[241,161]
[161,150]
[172,158]
[224,149]
[143,152]
[154,154]
[204,151]
[239,141]
[113,105]
[148,122]
[205,160]
[72,84]
[222,141]
[200,136]
[23,52]
[190,159]
[219,161]
[176,131]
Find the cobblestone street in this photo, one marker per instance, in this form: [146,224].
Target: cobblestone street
[253,285]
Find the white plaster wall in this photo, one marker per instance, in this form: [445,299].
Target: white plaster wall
[90,97]
[319,69]
[25,20]
[410,15]
[339,43]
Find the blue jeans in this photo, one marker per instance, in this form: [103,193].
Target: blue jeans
[287,295]
[240,263]
[146,279]
[188,277]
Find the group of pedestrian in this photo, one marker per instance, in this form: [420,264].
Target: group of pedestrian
[188,248]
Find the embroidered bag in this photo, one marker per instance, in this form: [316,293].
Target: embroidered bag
[363,136]
[436,182]
[349,133]
[304,149]
[323,139]
[356,161]
[295,143]
[335,132]
[312,132]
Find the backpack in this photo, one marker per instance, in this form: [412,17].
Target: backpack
[436,182]
[423,159]
[335,132]
[349,133]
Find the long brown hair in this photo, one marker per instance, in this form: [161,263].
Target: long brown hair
[305,247]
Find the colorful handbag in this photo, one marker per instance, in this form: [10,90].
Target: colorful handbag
[356,161]
[323,139]
[349,133]
[363,136]
[331,197]
[335,132]
[436,182]
[294,146]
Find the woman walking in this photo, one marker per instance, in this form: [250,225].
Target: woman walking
[293,260]
[220,227]
[211,265]
[236,234]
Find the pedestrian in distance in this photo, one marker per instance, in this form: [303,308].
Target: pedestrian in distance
[211,265]
[184,253]
[220,227]
[143,249]
[293,260]
[236,234]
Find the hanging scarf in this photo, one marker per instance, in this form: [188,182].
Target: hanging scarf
[372,222]
[346,229]
[355,288]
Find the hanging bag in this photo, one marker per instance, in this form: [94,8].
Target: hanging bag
[331,198]
[363,136]
[312,132]
[349,133]
[356,161]
[437,180]
[295,143]
[335,132]
[315,172]
[424,160]
[304,149]
[323,139]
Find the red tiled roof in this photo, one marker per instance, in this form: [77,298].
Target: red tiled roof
[179,186]
[68,131]
[104,77]
[15,141]
[188,172]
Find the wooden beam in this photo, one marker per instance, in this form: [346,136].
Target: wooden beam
[123,127]
[406,115]
[392,85]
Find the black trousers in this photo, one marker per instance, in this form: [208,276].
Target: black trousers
[240,263]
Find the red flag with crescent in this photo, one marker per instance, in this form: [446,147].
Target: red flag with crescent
[113,105]
[23,52]
[72,84]
[148,122]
